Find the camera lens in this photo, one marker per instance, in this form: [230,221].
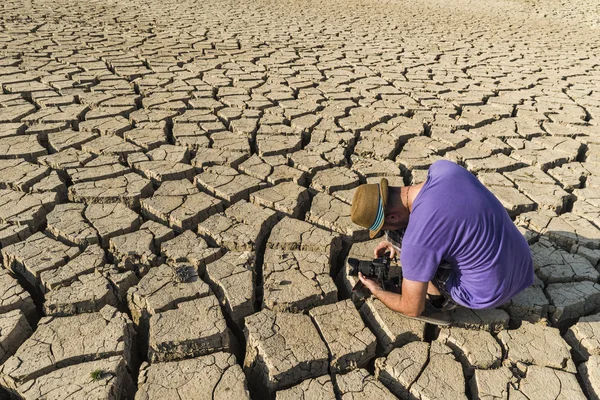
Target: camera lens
[354,266]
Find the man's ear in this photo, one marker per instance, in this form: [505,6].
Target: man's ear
[392,218]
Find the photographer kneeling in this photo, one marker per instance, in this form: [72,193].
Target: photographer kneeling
[457,244]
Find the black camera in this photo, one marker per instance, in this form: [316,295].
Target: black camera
[377,269]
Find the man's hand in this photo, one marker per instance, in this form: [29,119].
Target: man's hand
[370,284]
[410,303]
[383,247]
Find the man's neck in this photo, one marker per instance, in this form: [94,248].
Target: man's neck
[408,194]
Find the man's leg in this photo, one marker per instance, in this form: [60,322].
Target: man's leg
[433,290]
[435,297]
[437,293]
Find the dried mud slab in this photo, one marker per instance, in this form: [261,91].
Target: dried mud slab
[547,151]
[127,189]
[138,251]
[26,147]
[270,145]
[161,289]
[295,281]
[159,171]
[537,344]
[230,141]
[215,376]
[166,152]
[570,175]
[494,163]
[555,265]
[86,262]
[68,138]
[102,167]
[414,156]
[10,234]
[573,300]
[113,382]
[401,368]
[228,184]
[282,349]
[21,175]
[195,328]
[206,157]
[66,159]
[569,229]
[530,305]
[368,169]
[492,383]
[190,248]
[14,297]
[587,202]
[492,319]
[314,388]
[433,382]
[86,294]
[333,214]
[37,254]
[288,198]
[475,349]
[360,384]
[14,330]
[351,344]
[292,234]
[148,136]
[256,167]
[333,179]
[180,205]
[548,383]
[514,202]
[361,118]
[26,209]
[62,342]
[232,279]
[52,183]
[190,136]
[18,111]
[392,329]
[11,129]
[273,169]
[121,281]
[242,227]
[584,337]
[150,116]
[431,147]
[540,187]
[67,223]
[67,113]
[111,143]
[308,161]
[111,220]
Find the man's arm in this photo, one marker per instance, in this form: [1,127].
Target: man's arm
[412,301]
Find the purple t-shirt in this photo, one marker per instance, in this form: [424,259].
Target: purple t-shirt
[456,219]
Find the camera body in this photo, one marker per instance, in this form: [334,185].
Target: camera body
[377,269]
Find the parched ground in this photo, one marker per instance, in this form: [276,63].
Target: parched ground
[176,179]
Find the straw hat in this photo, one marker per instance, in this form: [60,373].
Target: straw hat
[368,206]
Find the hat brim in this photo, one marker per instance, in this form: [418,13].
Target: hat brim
[383,192]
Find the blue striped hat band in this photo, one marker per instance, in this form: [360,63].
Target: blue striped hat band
[379,218]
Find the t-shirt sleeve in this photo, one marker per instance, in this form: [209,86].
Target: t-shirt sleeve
[419,263]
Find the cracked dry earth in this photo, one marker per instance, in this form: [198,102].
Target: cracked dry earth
[176,179]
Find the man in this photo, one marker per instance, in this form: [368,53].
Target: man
[457,244]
